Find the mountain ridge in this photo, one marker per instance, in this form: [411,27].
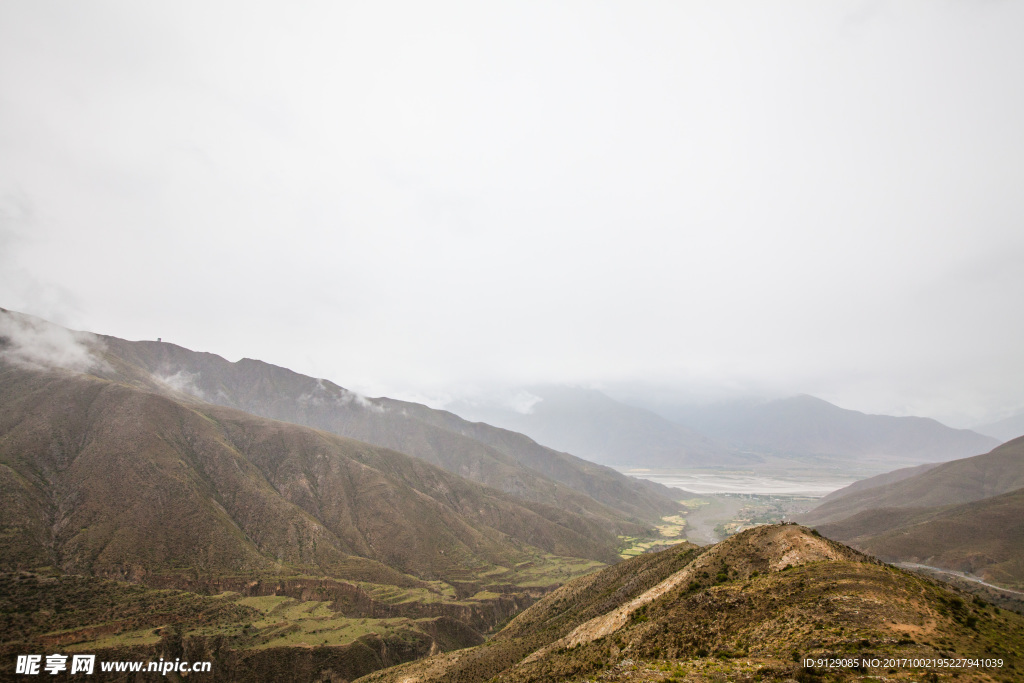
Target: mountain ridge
[1001,470]
[64,436]
[483,453]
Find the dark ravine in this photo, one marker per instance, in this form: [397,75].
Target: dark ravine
[281,551]
[40,612]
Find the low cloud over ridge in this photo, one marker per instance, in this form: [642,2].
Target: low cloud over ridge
[36,344]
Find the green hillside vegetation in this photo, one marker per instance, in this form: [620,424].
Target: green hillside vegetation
[340,556]
[247,638]
[745,609]
[40,611]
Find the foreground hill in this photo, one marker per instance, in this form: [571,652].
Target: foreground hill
[746,609]
[808,427]
[588,422]
[960,481]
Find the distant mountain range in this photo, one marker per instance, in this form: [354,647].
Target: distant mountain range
[809,426]
[959,481]
[786,434]
[1004,430]
[965,515]
[588,422]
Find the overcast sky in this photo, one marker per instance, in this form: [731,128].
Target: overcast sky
[420,199]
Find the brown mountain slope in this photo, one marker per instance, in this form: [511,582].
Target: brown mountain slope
[102,478]
[958,481]
[876,481]
[985,537]
[745,609]
[637,497]
[494,457]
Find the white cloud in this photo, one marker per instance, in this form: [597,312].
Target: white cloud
[522,402]
[184,382]
[36,344]
[334,395]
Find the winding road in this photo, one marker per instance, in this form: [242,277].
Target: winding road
[962,575]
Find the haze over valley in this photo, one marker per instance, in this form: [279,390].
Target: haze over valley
[151,463]
[565,341]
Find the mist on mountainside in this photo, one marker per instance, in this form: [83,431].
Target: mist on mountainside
[33,343]
[462,342]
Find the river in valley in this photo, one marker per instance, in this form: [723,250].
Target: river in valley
[711,483]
